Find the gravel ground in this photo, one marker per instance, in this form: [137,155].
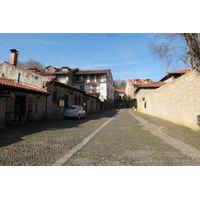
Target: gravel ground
[162,132]
[129,140]
[42,143]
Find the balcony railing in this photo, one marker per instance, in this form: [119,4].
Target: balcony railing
[78,81]
[93,91]
[90,81]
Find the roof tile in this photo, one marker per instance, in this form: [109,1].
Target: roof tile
[140,81]
[13,84]
[103,71]
[119,90]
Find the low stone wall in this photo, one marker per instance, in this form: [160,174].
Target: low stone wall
[177,101]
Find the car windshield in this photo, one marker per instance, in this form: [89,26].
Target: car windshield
[71,107]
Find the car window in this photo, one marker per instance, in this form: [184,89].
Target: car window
[71,107]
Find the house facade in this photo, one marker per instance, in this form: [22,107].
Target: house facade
[24,89]
[99,83]
[119,94]
[63,74]
[132,85]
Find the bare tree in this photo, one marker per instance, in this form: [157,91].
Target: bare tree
[193,46]
[120,84]
[175,47]
[30,63]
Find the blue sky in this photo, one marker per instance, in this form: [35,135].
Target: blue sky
[126,54]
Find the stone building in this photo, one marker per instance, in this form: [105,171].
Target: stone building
[119,94]
[63,95]
[39,96]
[132,85]
[15,97]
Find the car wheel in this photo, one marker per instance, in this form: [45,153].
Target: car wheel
[79,117]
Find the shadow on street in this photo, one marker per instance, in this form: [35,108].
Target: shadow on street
[10,135]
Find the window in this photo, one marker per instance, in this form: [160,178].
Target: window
[82,87]
[54,96]
[78,79]
[61,103]
[94,89]
[98,78]
[91,78]
[50,69]
[85,79]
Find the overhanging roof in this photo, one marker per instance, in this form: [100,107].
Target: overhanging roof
[18,86]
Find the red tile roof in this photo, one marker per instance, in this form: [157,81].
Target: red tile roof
[176,74]
[15,85]
[52,73]
[82,72]
[69,86]
[151,85]
[155,84]
[42,71]
[119,90]
[183,71]
[140,81]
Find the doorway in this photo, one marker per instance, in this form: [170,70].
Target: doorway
[20,108]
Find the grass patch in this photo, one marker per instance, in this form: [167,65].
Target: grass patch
[158,120]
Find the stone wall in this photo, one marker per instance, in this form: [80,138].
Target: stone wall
[35,108]
[129,89]
[39,108]
[92,104]
[177,101]
[60,98]
[2,111]
[57,102]
[21,75]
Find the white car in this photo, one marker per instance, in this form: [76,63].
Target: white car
[74,111]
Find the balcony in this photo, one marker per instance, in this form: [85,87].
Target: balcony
[94,91]
[78,81]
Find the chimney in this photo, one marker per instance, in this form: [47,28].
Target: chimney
[13,56]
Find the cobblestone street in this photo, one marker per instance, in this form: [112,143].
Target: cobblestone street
[129,138]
